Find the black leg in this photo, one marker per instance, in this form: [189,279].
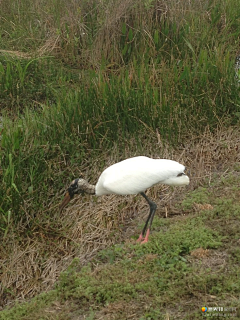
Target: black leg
[153,208]
[146,224]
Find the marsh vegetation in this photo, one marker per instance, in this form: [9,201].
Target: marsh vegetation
[84,84]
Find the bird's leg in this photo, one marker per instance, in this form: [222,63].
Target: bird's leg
[141,237]
[153,208]
[150,224]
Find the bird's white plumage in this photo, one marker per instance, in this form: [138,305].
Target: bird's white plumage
[135,175]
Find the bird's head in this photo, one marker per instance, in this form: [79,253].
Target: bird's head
[77,186]
[74,188]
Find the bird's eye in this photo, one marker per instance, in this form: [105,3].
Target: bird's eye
[74,184]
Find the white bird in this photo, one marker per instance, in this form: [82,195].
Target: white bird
[132,176]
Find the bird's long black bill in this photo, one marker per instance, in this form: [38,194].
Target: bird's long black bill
[65,201]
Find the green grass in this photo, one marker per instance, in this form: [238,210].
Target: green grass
[161,275]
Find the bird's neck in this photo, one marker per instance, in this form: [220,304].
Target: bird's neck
[87,187]
[90,188]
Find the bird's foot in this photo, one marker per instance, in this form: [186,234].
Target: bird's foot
[146,237]
[140,238]
[144,240]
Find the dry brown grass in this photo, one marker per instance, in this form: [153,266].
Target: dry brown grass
[33,264]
